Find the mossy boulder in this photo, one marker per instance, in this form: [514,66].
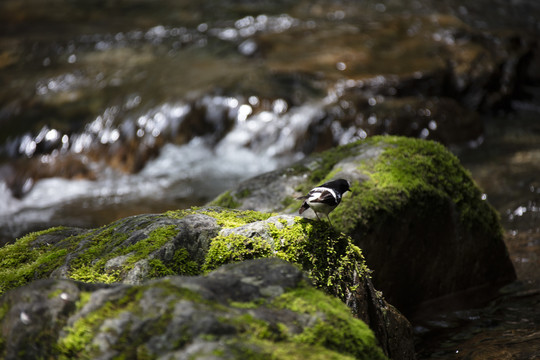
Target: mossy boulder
[185,242]
[251,310]
[199,240]
[425,227]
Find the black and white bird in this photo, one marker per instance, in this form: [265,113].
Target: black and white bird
[324,198]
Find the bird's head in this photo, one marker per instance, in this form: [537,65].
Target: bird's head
[340,185]
[343,185]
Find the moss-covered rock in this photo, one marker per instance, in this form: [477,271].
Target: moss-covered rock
[251,310]
[130,250]
[198,240]
[187,242]
[422,222]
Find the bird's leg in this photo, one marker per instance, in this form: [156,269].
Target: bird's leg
[328,217]
[317,215]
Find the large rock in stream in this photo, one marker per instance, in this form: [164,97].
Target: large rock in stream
[255,309]
[192,242]
[425,227]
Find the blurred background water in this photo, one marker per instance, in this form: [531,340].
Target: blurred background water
[113,108]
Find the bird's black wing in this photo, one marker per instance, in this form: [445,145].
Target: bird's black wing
[324,196]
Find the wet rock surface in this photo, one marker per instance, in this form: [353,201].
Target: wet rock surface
[257,308]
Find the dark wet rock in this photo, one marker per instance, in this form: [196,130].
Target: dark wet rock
[257,309]
[355,117]
[504,327]
[191,242]
[415,212]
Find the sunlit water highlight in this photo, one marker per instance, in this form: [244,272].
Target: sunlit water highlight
[256,144]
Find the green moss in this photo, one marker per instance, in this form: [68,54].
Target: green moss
[339,331]
[226,200]
[257,328]
[142,353]
[155,240]
[91,274]
[332,333]
[228,218]
[410,175]
[158,269]
[292,350]
[180,214]
[22,262]
[4,309]
[76,340]
[243,193]
[28,259]
[182,264]
[84,298]
[25,261]
[90,265]
[55,293]
[245,305]
[234,248]
[330,258]
[416,175]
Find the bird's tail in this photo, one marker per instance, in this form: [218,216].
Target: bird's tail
[303,208]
